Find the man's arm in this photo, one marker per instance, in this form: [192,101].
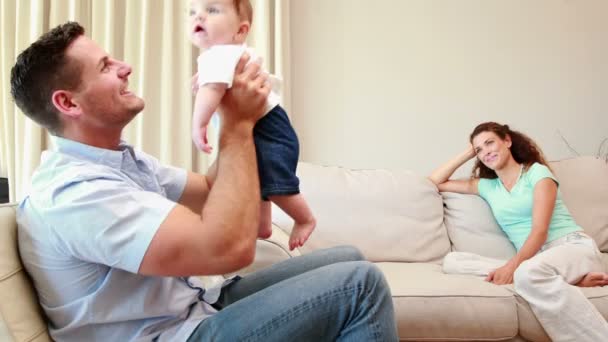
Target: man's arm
[197,189]
[221,237]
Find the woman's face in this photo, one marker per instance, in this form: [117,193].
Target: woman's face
[491,150]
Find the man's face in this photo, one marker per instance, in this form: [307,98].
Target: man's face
[102,93]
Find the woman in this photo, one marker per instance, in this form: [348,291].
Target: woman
[553,252]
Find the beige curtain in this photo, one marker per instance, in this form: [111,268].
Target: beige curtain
[151,36]
[270,38]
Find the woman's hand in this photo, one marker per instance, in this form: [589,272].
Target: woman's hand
[502,275]
[441,176]
[470,152]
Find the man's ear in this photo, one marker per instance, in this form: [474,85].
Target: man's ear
[63,100]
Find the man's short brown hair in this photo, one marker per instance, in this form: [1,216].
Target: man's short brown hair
[43,68]
[244,10]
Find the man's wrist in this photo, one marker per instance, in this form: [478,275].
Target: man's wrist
[236,132]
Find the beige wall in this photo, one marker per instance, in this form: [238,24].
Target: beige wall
[401,83]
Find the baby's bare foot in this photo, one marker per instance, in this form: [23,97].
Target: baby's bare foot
[593,279]
[300,233]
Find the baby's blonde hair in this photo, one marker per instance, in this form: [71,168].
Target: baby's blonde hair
[244,10]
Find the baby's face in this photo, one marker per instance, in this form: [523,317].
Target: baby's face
[213,22]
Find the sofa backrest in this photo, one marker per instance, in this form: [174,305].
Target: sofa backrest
[19,306]
[388,215]
[584,188]
[396,215]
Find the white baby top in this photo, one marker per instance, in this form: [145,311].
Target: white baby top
[217,65]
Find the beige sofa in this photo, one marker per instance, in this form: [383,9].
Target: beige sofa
[400,222]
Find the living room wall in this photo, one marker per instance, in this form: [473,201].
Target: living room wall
[401,83]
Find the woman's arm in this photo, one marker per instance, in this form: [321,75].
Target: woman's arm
[442,174]
[545,194]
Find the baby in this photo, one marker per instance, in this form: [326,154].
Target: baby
[219,28]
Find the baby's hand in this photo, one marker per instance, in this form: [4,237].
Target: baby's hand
[194,83]
[199,137]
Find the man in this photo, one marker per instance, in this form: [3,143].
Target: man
[111,238]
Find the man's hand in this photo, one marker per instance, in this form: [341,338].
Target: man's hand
[502,275]
[246,100]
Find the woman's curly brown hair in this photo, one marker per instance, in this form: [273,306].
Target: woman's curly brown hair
[524,150]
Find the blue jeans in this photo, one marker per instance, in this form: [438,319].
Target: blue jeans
[327,295]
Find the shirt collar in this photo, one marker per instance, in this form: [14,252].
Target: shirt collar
[95,154]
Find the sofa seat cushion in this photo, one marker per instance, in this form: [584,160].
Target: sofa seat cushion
[431,305]
[388,215]
[4,333]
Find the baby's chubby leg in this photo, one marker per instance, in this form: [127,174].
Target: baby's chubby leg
[296,207]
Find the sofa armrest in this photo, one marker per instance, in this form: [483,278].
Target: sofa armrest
[20,312]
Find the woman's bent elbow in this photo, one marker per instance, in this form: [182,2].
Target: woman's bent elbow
[436,181]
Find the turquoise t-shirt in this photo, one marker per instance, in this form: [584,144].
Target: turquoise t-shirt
[513,210]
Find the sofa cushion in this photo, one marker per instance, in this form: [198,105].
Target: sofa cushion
[431,305]
[472,227]
[388,215]
[584,189]
[4,334]
[18,301]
